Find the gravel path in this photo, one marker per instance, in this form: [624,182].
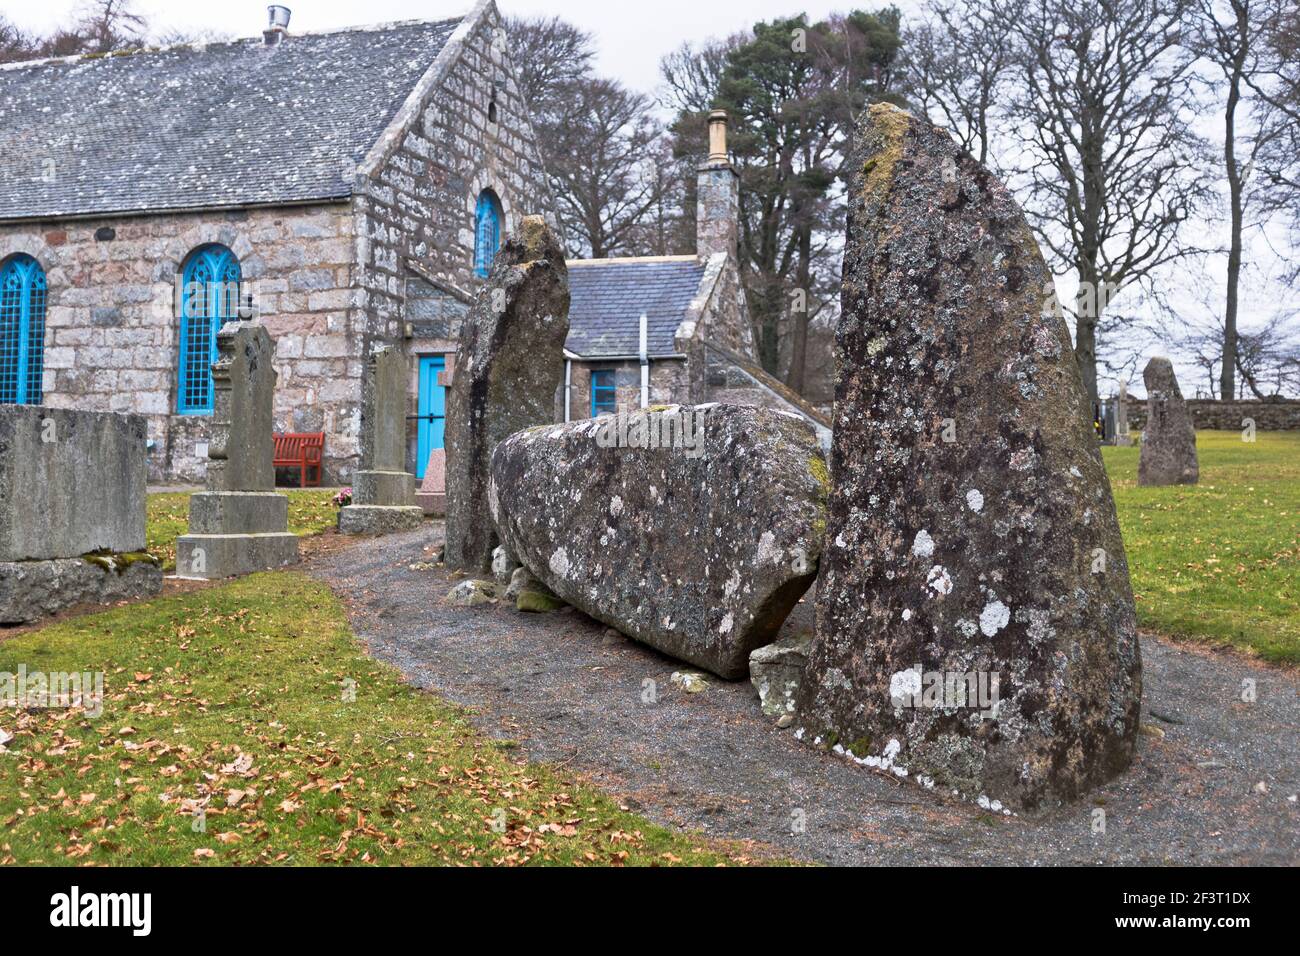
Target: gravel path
[1217,788]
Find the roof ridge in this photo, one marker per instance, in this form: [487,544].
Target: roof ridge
[601,262]
[200,46]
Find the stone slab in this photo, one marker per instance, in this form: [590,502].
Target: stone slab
[432,496]
[238,512]
[379,519]
[242,449]
[71,482]
[214,556]
[32,590]
[390,488]
[383,413]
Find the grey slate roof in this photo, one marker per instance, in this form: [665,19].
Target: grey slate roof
[608,297]
[222,124]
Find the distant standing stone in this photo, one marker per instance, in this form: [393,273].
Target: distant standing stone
[509,364]
[1168,455]
[971,532]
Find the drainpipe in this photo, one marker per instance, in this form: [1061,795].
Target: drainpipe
[645,364]
[568,389]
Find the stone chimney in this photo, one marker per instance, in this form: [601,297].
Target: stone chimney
[717,226]
[278,25]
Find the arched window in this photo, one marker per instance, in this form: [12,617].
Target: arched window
[209,299]
[22,330]
[487,232]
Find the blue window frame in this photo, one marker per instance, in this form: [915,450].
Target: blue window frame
[22,331]
[209,299]
[604,394]
[487,232]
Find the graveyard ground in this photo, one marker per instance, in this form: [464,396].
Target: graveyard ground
[233,698]
[1219,562]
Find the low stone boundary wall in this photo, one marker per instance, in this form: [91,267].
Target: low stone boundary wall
[1227,416]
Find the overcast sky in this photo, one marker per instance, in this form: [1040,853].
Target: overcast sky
[631,36]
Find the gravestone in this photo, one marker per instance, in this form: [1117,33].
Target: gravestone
[509,364]
[72,511]
[1168,455]
[432,496]
[383,492]
[972,542]
[240,524]
[694,529]
[1123,437]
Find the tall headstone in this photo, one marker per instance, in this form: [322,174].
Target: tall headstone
[509,364]
[72,511]
[1123,437]
[383,492]
[240,524]
[1168,455]
[975,622]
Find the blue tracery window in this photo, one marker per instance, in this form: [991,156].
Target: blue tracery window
[487,232]
[209,299]
[604,394]
[22,330]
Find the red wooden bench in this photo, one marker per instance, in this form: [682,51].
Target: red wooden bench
[301,451]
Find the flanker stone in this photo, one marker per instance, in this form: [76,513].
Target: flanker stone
[509,365]
[239,525]
[71,483]
[693,530]
[971,530]
[432,496]
[776,671]
[383,493]
[1168,453]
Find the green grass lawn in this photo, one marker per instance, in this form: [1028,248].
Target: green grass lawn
[1219,561]
[236,699]
[168,517]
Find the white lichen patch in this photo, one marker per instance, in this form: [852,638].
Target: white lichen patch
[905,685]
[616,506]
[728,621]
[907,614]
[939,579]
[975,500]
[559,562]
[768,550]
[923,544]
[994,618]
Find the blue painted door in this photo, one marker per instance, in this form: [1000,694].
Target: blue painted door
[432,409]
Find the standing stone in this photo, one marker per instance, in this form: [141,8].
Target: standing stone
[509,364]
[432,496]
[1168,455]
[383,492]
[239,524]
[972,538]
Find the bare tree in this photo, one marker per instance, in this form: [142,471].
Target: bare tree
[604,147]
[956,63]
[1102,103]
[1277,85]
[549,54]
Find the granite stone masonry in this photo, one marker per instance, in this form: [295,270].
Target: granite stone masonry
[971,531]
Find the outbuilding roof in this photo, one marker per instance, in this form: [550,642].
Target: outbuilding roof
[608,297]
